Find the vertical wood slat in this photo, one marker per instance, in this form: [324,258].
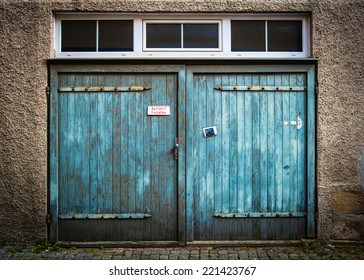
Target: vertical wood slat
[263,111]
[311,160]
[225,152]
[131,156]
[210,162]
[248,190]
[218,230]
[233,165]
[286,140]
[271,150]
[147,159]
[256,155]
[181,112]
[293,153]
[240,115]
[54,164]
[202,154]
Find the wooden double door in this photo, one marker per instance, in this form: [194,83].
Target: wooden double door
[130,159]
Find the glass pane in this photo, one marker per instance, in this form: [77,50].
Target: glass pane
[285,36]
[115,35]
[248,35]
[200,36]
[78,36]
[162,35]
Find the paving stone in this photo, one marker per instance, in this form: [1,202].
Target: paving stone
[107,257]
[272,255]
[262,255]
[69,257]
[233,256]
[252,255]
[293,257]
[283,256]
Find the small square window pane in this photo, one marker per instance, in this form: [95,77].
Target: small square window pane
[285,36]
[115,35]
[78,36]
[248,35]
[201,36]
[161,35]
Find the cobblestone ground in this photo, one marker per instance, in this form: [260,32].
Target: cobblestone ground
[304,252]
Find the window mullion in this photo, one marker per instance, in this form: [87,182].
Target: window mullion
[266,36]
[97,36]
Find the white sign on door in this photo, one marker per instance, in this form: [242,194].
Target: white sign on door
[159,110]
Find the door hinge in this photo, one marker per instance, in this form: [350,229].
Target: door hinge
[48,90]
[316,89]
[48,218]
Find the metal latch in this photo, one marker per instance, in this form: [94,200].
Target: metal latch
[298,123]
[176,147]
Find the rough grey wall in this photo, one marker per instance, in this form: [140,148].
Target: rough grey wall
[24,45]
[26,38]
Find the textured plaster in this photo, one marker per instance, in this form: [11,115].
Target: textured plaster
[26,40]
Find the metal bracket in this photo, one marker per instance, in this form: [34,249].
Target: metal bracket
[229,215]
[104,216]
[298,123]
[104,89]
[260,88]
[48,218]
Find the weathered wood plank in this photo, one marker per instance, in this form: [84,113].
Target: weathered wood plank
[248,190]
[225,151]
[263,130]
[147,158]
[286,143]
[293,153]
[210,159]
[202,165]
[217,112]
[233,164]
[54,196]
[311,150]
[271,158]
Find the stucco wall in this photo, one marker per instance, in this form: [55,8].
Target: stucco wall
[26,38]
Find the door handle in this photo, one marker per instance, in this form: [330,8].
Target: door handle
[176,147]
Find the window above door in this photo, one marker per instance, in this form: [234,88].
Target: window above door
[181,36]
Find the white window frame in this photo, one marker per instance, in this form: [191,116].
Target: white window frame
[224,50]
[182,49]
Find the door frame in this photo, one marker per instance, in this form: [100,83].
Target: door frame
[53,144]
[309,70]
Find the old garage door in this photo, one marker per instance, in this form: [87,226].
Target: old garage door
[116,173]
[252,178]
